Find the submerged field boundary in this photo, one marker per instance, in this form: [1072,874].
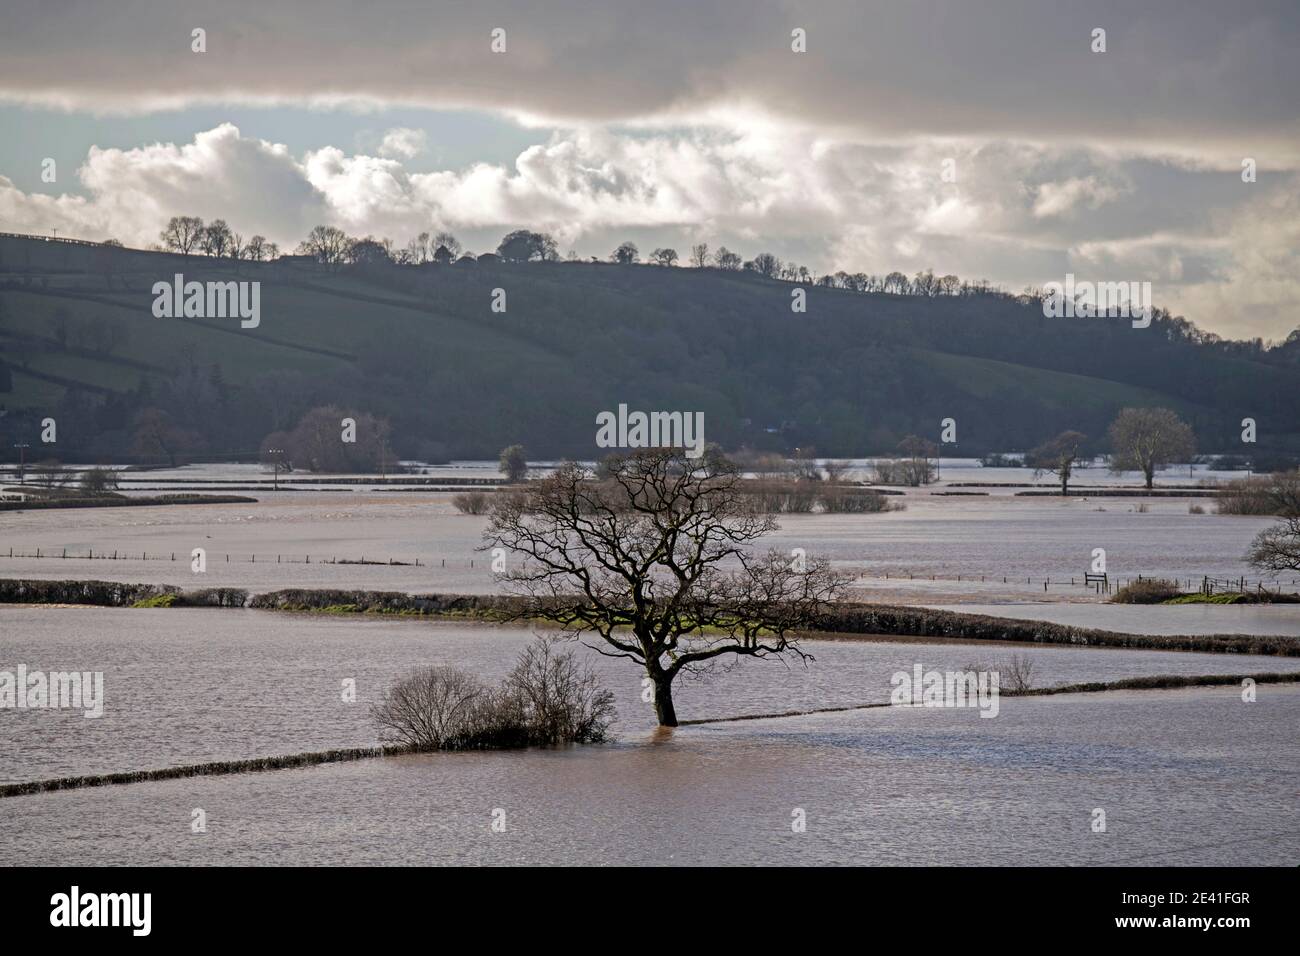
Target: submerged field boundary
[317,758]
[1159,682]
[846,619]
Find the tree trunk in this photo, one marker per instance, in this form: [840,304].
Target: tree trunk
[664,709]
[1150,475]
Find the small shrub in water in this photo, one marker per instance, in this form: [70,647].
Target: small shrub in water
[1146,591]
[548,698]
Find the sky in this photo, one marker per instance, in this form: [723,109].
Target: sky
[991,139]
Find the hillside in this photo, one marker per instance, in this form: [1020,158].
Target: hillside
[422,347]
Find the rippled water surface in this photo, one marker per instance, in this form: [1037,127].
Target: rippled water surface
[185,685]
[1184,777]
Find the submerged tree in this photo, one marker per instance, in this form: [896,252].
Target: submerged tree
[1147,439]
[654,559]
[513,463]
[1057,457]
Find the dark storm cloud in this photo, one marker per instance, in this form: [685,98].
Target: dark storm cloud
[1184,72]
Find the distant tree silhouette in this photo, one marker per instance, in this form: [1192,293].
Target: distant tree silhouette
[368,252]
[766,264]
[724,258]
[626,254]
[217,238]
[514,463]
[449,242]
[183,234]
[328,245]
[523,245]
[258,249]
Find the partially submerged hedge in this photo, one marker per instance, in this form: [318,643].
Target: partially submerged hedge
[846,618]
[116,594]
[486,606]
[890,620]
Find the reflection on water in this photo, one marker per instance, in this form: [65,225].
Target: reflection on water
[190,685]
[1185,777]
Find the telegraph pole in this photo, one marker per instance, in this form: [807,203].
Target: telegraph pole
[277,452]
[22,461]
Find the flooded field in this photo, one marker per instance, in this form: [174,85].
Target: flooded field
[938,550]
[1184,778]
[190,685]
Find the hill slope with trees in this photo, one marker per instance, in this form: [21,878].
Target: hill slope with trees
[422,347]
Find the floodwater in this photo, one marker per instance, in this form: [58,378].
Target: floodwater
[1183,777]
[977,549]
[186,685]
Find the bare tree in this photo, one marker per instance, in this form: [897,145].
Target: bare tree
[1277,548]
[418,250]
[1147,439]
[430,708]
[700,255]
[654,560]
[559,698]
[724,258]
[328,244]
[664,257]
[258,249]
[767,265]
[50,474]
[549,697]
[217,238]
[1057,457]
[915,465]
[182,234]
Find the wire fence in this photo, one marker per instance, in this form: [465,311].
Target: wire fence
[118,554]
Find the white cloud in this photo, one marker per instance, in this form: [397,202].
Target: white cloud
[1055,199]
[830,203]
[402,142]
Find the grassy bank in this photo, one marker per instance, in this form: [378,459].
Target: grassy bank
[1160,591]
[846,619]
